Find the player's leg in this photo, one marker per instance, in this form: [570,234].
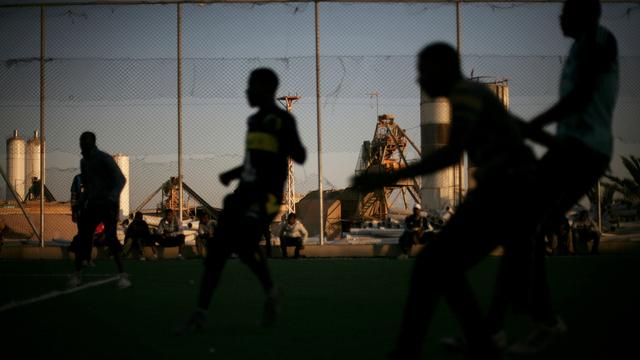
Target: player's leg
[86,227]
[109,217]
[218,252]
[253,222]
[252,256]
[256,261]
[440,271]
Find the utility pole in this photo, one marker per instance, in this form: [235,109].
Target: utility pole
[290,191]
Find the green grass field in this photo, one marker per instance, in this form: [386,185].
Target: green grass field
[332,309]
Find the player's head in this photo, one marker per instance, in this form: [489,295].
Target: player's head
[169,214]
[138,215]
[263,83]
[578,16]
[417,209]
[87,142]
[438,69]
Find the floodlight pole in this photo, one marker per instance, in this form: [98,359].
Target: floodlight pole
[289,197]
[43,137]
[179,103]
[599,200]
[318,123]
[462,166]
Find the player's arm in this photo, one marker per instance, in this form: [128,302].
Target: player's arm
[594,59]
[117,178]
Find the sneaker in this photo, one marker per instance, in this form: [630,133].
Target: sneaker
[180,257]
[500,339]
[142,258]
[403,257]
[196,322]
[539,339]
[459,343]
[124,281]
[453,343]
[74,280]
[88,263]
[271,307]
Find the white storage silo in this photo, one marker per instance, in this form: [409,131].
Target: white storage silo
[123,162]
[501,89]
[498,87]
[33,160]
[438,189]
[15,165]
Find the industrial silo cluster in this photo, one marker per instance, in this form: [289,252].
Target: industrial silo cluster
[23,163]
[23,168]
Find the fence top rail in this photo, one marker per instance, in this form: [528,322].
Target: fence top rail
[53,3]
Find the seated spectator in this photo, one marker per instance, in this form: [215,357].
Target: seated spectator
[557,235]
[292,233]
[125,223]
[168,235]
[266,234]
[139,236]
[206,229]
[585,230]
[416,228]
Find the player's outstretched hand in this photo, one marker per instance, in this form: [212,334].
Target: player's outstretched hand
[225,178]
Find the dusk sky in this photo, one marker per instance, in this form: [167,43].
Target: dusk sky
[112,71]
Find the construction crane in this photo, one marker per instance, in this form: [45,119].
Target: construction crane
[386,153]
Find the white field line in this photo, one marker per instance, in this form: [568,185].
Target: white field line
[51,275]
[55,293]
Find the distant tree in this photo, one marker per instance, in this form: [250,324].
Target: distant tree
[629,187]
[606,195]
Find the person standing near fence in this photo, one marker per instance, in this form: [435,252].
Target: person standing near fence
[103,181]
[206,229]
[272,137]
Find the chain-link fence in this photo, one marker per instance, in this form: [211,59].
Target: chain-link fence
[112,69]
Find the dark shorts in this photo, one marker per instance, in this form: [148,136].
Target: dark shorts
[241,224]
[98,212]
[170,241]
[291,241]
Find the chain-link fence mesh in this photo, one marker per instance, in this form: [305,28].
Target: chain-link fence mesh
[112,69]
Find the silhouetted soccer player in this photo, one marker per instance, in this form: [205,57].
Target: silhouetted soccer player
[103,181]
[271,138]
[580,156]
[492,138]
